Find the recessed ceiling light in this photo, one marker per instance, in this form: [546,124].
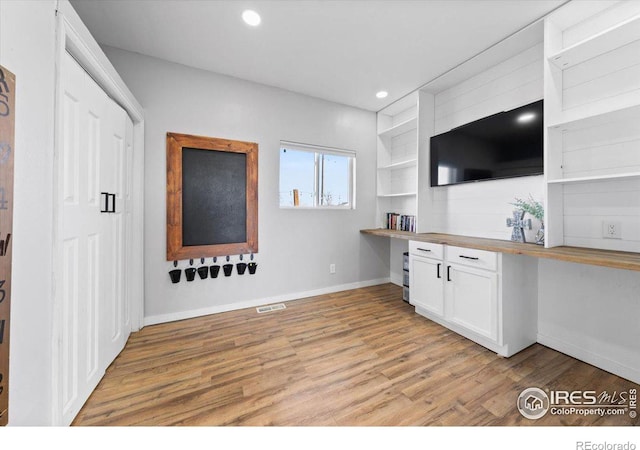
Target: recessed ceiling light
[526,117]
[251,17]
[382,94]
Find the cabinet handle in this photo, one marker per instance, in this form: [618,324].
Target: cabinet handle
[424,249]
[448,273]
[469,257]
[105,208]
[113,203]
[438,270]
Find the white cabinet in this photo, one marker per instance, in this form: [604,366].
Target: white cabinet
[473,300]
[488,297]
[426,270]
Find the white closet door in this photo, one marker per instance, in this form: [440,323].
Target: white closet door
[112,306]
[92,161]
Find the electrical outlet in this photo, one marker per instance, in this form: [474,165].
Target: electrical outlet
[612,229]
[332,268]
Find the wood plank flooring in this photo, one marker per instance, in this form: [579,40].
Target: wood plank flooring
[360,357]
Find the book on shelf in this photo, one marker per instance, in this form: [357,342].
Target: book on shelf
[401,222]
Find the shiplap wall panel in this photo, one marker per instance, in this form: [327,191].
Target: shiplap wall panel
[513,83]
[588,205]
[481,209]
[604,82]
[604,149]
[399,205]
[611,14]
[603,65]
[606,87]
[405,115]
[403,180]
[403,147]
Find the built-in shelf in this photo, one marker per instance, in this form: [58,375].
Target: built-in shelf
[621,176]
[400,165]
[402,194]
[599,111]
[603,42]
[400,128]
[585,120]
[592,95]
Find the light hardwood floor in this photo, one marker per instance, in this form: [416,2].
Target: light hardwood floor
[360,357]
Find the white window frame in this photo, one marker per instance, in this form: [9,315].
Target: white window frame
[319,151]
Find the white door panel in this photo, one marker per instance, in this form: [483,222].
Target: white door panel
[427,287]
[473,300]
[92,243]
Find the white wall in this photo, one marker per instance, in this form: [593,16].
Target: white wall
[27,39]
[480,209]
[296,246]
[591,313]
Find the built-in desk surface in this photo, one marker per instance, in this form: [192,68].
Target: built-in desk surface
[596,257]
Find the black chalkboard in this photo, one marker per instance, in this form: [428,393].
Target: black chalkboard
[212,197]
[214,182]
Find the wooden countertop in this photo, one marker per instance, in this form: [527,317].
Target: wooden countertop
[592,256]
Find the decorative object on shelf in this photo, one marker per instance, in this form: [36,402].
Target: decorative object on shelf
[540,234]
[535,209]
[252,267]
[401,222]
[519,225]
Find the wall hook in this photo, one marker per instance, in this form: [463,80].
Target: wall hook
[175,264]
[241,257]
[202,260]
[227,257]
[191,262]
[251,256]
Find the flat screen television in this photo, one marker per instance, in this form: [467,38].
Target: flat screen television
[504,145]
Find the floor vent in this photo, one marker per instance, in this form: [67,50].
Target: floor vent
[268,308]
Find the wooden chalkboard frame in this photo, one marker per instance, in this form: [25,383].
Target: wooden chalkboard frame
[175,248]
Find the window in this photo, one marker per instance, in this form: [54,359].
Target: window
[316,177]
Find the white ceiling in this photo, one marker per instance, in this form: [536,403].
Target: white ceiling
[342,51]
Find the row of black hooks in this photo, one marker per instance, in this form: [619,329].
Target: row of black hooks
[212,271]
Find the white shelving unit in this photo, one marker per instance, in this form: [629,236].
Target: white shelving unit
[605,41]
[401,128]
[397,159]
[592,119]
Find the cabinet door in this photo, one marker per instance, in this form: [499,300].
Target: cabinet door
[472,299]
[426,284]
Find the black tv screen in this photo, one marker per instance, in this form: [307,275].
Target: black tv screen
[504,145]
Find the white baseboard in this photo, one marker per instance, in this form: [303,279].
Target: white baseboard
[594,359]
[396,279]
[181,315]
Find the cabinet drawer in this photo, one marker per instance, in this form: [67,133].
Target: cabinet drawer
[473,258]
[426,249]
